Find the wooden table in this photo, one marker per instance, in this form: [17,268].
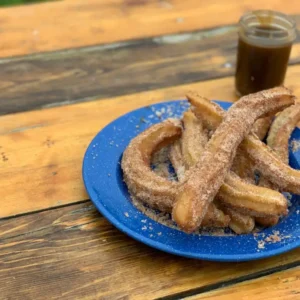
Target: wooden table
[68,68]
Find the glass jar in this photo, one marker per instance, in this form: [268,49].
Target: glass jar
[264,46]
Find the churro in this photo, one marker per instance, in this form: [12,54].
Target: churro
[250,199]
[262,126]
[141,181]
[206,177]
[278,141]
[267,221]
[175,156]
[214,217]
[271,167]
[193,140]
[144,184]
[243,165]
[266,162]
[235,192]
[281,130]
[239,223]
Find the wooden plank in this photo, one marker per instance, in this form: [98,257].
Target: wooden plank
[76,23]
[66,77]
[47,146]
[111,70]
[282,285]
[73,253]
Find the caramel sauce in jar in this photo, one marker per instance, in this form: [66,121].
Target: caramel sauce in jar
[264,47]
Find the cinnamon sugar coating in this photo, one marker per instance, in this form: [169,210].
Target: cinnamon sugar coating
[207,176]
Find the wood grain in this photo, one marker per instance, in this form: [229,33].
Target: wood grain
[101,72]
[42,151]
[111,70]
[281,285]
[76,23]
[74,253]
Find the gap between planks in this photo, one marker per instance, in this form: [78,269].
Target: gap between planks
[279,285]
[228,283]
[43,210]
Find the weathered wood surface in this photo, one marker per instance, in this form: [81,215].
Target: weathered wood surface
[42,151]
[60,247]
[76,23]
[118,69]
[74,253]
[106,71]
[282,285]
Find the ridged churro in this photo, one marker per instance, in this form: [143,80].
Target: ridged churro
[271,167]
[250,199]
[267,221]
[141,181]
[245,168]
[244,198]
[278,141]
[235,192]
[175,156]
[206,177]
[214,216]
[239,223]
[281,130]
[262,126]
[144,184]
[193,141]
[266,162]
[243,165]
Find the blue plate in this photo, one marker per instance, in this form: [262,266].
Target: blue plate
[103,180]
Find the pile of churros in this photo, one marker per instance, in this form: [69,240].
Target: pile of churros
[227,176]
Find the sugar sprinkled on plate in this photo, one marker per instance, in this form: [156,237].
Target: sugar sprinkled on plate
[295,144]
[275,237]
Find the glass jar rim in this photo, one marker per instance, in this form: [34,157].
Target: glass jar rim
[250,22]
